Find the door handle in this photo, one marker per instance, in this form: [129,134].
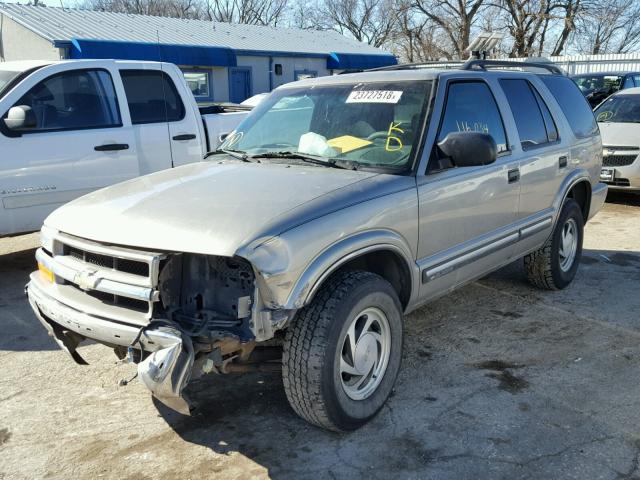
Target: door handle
[111,147]
[562,161]
[513,175]
[186,136]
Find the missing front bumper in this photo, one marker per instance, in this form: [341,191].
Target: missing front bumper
[165,371]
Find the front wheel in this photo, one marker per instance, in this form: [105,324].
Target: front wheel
[554,266]
[342,352]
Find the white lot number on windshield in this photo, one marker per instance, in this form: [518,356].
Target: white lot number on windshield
[374,96]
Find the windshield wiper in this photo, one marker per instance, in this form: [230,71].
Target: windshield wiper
[240,155]
[308,158]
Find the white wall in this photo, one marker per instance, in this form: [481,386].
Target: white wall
[291,64]
[19,43]
[220,76]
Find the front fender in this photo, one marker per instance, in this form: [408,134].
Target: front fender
[291,289]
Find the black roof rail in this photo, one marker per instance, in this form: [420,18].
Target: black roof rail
[412,66]
[483,64]
[474,64]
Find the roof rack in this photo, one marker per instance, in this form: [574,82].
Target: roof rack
[413,66]
[483,64]
[472,65]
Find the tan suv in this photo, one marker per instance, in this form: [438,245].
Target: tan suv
[336,207]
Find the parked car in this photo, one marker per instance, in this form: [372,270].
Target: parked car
[598,86]
[619,120]
[68,128]
[337,206]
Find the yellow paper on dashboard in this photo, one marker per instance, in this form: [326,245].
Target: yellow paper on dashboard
[347,143]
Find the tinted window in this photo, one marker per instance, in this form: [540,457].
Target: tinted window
[589,83]
[526,112]
[573,104]
[471,107]
[79,99]
[549,123]
[628,82]
[152,97]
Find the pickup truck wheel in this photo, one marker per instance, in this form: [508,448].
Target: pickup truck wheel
[554,265]
[341,354]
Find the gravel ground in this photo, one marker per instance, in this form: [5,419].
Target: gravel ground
[499,380]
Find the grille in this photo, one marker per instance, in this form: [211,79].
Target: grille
[619,148]
[120,264]
[109,299]
[620,182]
[618,160]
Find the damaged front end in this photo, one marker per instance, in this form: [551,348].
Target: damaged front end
[177,316]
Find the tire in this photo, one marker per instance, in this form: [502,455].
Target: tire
[314,351]
[548,268]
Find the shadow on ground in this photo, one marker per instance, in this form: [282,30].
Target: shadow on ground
[21,330]
[624,198]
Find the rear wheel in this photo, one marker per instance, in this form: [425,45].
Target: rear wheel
[342,352]
[554,266]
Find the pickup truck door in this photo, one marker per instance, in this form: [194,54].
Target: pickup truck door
[467,214]
[166,128]
[80,142]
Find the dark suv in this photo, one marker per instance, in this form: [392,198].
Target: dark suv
[596,87]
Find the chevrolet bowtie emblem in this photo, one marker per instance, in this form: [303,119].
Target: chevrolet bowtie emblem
[86,279]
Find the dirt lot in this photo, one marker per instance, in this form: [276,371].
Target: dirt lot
[499,381]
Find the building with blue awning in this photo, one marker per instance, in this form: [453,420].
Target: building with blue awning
[221,61]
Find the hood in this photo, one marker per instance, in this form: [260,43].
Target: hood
[620,134]
[209,208]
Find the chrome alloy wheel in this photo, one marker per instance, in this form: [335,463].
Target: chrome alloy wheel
[365,353]
[568,244]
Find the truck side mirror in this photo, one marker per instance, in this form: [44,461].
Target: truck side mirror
[469,149]
[20,118]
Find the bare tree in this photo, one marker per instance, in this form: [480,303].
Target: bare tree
[252,12]
[455,17]
[571,11]
[527,22]
[608,26]
[370,21]
[416,37]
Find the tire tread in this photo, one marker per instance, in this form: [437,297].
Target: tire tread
[304,345]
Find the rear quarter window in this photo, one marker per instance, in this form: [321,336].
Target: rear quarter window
[573,104]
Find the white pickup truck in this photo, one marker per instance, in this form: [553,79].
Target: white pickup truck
[70,127]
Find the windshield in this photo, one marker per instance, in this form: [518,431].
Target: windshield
[620,108]
[589,83]
[367,124]
[6,77]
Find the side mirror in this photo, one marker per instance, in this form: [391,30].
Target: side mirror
[469,149]
[20,118]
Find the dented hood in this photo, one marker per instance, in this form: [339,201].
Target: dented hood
[209,207]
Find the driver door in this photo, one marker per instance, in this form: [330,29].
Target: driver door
[466,213]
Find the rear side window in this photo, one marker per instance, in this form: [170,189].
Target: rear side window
[573,104]
[73,100]
[471,107]
[533,119]
[152,97]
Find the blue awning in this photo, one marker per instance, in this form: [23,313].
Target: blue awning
[178,54]
[359,61]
